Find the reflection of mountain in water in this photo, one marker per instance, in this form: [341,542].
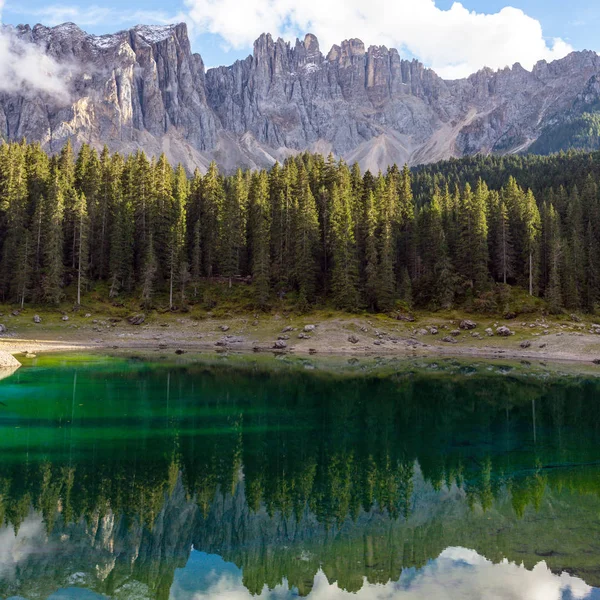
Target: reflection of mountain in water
[287,475]
[116,555]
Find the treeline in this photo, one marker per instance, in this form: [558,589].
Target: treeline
[312,230]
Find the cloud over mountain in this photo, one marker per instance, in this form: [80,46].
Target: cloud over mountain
[454,42]
[26,69]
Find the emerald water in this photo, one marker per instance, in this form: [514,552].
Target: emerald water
[128,479]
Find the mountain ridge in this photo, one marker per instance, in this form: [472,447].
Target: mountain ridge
[144,88]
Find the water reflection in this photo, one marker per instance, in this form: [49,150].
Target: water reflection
[285,482]
[458,573]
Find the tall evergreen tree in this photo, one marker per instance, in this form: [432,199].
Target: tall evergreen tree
[81,247]
[473,245]
[306,233]
[233,226]
[345,269]
[52,237]
[260,218]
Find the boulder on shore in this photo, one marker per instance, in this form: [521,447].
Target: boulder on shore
[467,325]
[137,319]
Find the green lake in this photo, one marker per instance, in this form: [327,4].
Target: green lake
[223,478]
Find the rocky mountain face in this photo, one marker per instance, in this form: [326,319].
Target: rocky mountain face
[144,88]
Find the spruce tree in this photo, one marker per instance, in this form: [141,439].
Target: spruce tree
[177,234]
[123,235]
[260,220]
[386,277]
[194,229]
[472,243]
[532,224]
[233,226]
[345,269]
[553,291]
[371,275]
[210,215]
[81,248]
[306,233]
[149,274]
[52,238]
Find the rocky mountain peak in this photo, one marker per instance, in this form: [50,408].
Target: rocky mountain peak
[144,88]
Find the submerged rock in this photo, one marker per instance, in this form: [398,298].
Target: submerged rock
[8,361]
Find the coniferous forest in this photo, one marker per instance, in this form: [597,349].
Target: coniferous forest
[314,231]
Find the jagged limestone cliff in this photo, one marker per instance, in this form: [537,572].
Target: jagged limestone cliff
[144,88]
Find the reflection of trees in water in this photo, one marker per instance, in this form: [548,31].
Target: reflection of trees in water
[330,446]
[324,463]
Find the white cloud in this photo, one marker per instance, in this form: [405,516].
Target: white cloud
[457,574]
[25,68]
[455,42]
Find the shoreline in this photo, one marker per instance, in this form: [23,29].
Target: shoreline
[178,342]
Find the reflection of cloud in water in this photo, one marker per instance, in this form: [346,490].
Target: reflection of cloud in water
[15,549]
[457,574]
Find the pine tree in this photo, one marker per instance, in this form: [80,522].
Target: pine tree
[437,280]
[260,219]
[473,245]
[123,234]
[532,225]
[106,198]
[21,285]
[386,278]
[165,213]
[177,233]
[345,270]
[194,228]
[149,274]
[81,249]
[576,249]
[592,267]
[14,218]
[504,253]
[52,238]
[141,195]
[370,284]
[233,226]
[210,215]
[553,291]
[306,233]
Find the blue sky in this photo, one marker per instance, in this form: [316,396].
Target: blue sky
[221,38]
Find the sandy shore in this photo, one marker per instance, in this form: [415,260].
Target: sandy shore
[538,339]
